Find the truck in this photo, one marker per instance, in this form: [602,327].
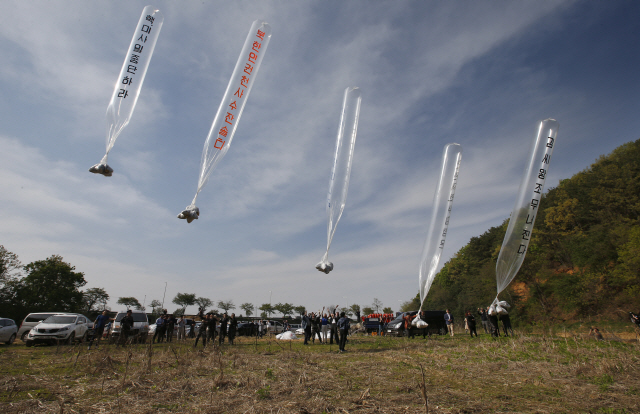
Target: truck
[375,322]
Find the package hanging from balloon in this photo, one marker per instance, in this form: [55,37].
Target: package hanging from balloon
[127,88]
[419,323]
[527,206]
[341,170]
[440,217]
[230,110]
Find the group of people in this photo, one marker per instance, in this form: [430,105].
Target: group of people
[167,324]
[327,327]
[490,322]
[209,328]
[103,323]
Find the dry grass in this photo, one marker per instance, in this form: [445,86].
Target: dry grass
[535,374]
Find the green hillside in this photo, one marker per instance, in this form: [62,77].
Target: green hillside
[583,259]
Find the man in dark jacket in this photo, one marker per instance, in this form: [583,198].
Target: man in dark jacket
[233,327]
[506,324]
[171,323]
[126,326]
[202,332]
[493,324]
[485,319]
[315,328]
[471,322]
[223,328]
[334,327]
[306,325]
[343,325]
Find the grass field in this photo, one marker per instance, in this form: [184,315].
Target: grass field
[526,374]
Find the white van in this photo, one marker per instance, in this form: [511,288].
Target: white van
[140,326]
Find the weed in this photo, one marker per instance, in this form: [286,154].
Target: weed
[264,393]
[604,381]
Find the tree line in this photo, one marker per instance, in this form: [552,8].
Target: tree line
[583,259]
[54,285]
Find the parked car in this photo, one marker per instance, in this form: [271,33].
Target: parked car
[435,319]
[32,320]
[140,329]
[276,327]
[247,329]
[64,327]
[8,330]
[294,327]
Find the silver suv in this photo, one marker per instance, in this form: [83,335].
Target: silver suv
[32,320]
[64,327]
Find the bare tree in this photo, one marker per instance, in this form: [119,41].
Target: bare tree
[377,304]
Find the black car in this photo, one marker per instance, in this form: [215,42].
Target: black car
[435,319]
[247,329]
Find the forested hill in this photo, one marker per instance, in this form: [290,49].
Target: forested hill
[583,259]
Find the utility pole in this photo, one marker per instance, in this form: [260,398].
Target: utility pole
[165,294]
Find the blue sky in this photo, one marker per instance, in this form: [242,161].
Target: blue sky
[482,74]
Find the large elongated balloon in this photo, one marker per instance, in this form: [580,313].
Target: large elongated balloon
[440,216]
[127,89]
[341,171]
[230,110]
[516,240]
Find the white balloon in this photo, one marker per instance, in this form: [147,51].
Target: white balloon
[516,240]
[127,89]
[230,110]
[440,216]
[341,171]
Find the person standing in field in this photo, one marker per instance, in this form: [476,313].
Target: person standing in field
[202,332]
[306,325]
[99,325]
[334,328]
[506,324]
[223,328]
[233,326]
[158,332]
[171,323]
[485,319]
[471,321]
[493,323]
[325,327]
[181,328]
[212,324]
[343,326]
[126,326]
[448,318]
[163,328]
